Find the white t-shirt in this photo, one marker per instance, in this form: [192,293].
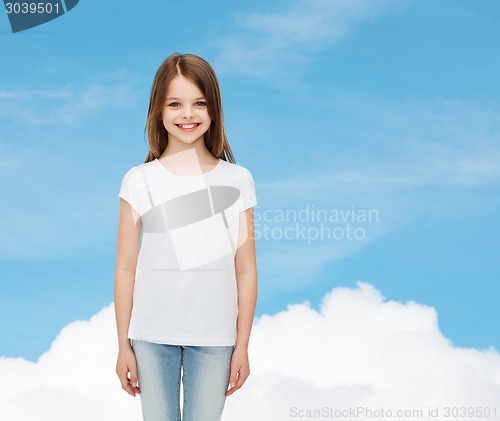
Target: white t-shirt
[185,290]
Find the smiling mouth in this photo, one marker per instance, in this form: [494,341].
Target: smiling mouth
[188,126]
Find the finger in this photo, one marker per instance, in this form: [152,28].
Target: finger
[232,382]
[239,382]
[233,378]
[229,392]
[133,376]
[235,384]
[133,390]
[130,389]
[126,384]
[242,377]
[132,382]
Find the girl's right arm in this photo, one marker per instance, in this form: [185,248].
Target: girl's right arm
[128,245]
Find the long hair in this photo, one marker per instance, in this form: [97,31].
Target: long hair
[198,71]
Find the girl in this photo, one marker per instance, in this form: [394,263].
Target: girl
[185,295]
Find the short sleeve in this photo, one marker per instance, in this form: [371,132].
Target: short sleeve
[128,189]
[247,190]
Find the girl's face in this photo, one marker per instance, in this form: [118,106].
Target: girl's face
[185,114]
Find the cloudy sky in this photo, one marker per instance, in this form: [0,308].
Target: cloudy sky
[372,131]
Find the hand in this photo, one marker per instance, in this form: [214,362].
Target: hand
[240,370]
[127,363]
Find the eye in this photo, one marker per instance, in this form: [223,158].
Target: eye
[173,104]
[201,104]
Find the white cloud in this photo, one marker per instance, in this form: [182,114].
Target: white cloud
[275,46]
[74,380]
[359,350]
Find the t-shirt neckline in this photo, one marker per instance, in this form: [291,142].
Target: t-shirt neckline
[187,176]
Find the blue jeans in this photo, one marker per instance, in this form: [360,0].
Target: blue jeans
[205,379]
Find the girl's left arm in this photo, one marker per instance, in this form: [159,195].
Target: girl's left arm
[246,279]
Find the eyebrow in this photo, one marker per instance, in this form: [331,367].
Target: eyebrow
[196,99]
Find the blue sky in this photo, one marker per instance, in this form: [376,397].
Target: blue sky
[390,106]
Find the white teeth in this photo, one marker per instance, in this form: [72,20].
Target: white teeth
[187,126]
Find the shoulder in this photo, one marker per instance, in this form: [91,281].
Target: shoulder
[237,169]
[135,173]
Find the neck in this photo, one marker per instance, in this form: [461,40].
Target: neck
[174,146]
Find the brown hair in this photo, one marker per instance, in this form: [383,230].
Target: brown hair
[198,71]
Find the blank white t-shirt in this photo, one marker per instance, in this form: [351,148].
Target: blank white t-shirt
[185,290]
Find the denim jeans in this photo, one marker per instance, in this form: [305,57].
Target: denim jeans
[205,379]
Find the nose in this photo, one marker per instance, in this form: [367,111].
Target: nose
[187,112]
